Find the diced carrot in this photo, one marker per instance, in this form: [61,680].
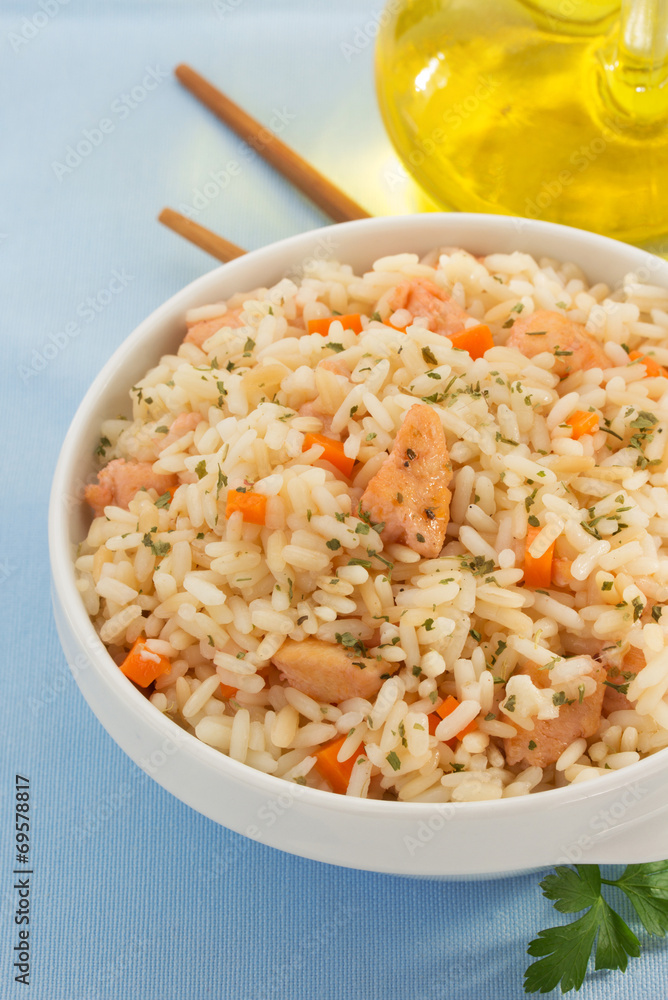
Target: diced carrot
[476,340]
[353,322]
[447,708]
[227,690]
[537,572]
[583,422]
[652,367]
[143,666]
[336,773]
[333,453]
[253,506]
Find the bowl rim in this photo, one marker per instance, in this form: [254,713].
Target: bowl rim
[62,563]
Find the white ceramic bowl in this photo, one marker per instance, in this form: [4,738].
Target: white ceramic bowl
[621,818]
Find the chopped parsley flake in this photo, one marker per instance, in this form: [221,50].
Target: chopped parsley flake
[349,641]
[157,548]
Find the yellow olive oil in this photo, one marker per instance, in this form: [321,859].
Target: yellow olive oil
[551,110]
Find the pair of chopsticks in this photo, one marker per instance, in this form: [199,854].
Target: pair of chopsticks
[285,160]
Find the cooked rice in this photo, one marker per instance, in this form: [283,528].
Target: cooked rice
[218,597]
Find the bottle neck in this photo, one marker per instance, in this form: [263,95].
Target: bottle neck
[636,62]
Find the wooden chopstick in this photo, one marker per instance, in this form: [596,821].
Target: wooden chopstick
[203,238]
[306,178]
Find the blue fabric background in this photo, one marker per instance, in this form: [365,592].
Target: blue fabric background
[135,895]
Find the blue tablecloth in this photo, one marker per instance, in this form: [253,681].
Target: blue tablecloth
[134,895]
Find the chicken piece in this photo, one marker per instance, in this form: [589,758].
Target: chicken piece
[547,331]
[184,422]
[425,300]
[615,699]
[200,332]
[550,737]
[119,481]
[409,493]
[330,673]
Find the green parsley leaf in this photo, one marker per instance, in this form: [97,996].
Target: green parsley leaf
[429,356]
[200,469]
[646,886]
[164,500]
[564,951]
[393,760]
[333,544]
